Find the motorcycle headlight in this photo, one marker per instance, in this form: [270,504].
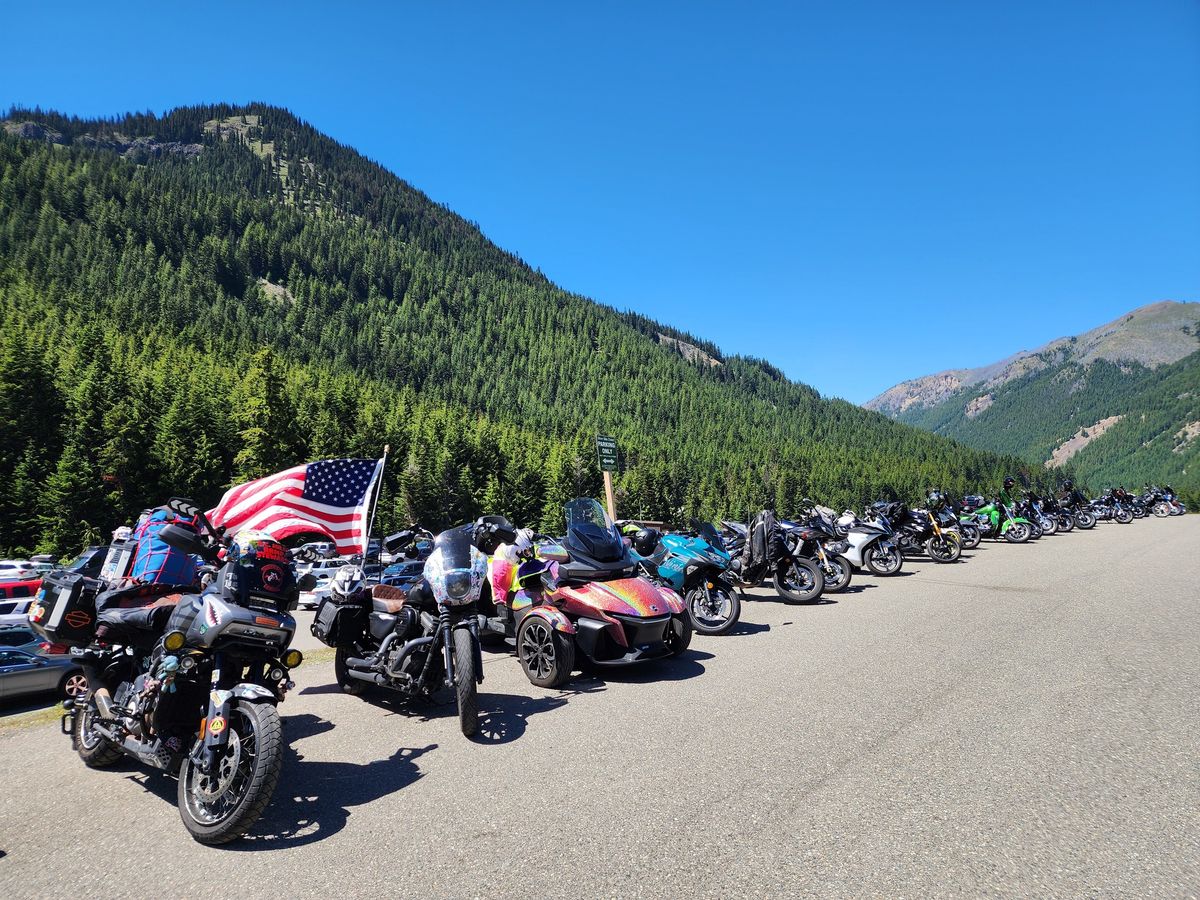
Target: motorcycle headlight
[458,585]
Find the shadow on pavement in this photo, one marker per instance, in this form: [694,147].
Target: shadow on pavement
[677,668]
[322,793]
[503,717]
[744,627]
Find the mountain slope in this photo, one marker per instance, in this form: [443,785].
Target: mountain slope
[1116,401]
[146,262]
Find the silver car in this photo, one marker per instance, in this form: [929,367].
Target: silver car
[22,674]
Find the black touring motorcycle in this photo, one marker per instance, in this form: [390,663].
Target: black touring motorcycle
[190,683]
[415,640]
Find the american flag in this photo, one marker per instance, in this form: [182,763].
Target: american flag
[330,497]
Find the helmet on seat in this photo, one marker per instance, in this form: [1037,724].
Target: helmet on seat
[646,540]
[348,581]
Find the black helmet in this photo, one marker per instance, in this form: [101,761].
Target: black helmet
[646,540]
[1068,484]
[1009,481]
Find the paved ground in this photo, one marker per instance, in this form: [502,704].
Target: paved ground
[1023,723]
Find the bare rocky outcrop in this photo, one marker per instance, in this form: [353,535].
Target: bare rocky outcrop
[1185,436]
[1082,438]
[690,352]
[978,405]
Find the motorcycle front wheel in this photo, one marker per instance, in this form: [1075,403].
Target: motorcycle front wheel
[1124,516]
[838,574]
[713,610]
[883,559]
[1049,525]
[221,805]
[1085,520]
[970,536]
[1017,533]
[799,581]
[1066,523]
[944,548]
[465,687]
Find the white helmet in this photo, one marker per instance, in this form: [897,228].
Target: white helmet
[348,581]
[524,542]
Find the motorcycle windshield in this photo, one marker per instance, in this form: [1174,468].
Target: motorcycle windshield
[454,547]
[708,532]
[590,531]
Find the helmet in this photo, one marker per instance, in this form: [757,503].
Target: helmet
[524,542]
[646,540]
[1009,481]
[348,581]
[1068,484]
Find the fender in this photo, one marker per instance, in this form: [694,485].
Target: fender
[674,601]
[555,617]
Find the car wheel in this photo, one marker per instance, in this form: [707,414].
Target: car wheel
[73,686]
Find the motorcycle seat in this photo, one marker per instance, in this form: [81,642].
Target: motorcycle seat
[144,618]
[387,599]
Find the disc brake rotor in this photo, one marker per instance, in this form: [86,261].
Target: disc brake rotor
[212,785]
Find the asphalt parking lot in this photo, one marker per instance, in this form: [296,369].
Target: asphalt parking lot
[1025,722]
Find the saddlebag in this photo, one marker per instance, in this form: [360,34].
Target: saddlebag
[338,624]
[64,611]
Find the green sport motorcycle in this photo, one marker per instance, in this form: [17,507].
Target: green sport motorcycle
[996,520]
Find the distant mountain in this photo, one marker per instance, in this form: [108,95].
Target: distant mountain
[1120,403]
[203,297]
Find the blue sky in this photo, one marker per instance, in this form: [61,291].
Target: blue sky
[860,192]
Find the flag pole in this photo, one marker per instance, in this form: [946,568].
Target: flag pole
[375,508]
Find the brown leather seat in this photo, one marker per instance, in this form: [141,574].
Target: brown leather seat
[387,599]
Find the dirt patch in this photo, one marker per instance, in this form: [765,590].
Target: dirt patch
[1185,436]
[1082,438]
[978,405]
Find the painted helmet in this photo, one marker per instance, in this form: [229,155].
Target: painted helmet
[348,581]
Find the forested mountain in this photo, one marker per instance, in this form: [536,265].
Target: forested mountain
[1121,402]
[194,300]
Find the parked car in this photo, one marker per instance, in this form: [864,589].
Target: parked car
[15,599]
[17,568]
[23,674]
[404,573]
[22,637]
[323,571]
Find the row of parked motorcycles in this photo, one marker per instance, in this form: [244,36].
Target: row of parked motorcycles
[190,683]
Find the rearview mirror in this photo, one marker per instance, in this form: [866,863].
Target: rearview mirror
[183,539]
[307,581]
[398,541]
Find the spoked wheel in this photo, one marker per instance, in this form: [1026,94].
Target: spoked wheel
[1066,524]
[838,573]
[713,610]
[1162,510]
[1124,516]
[799,581]
[1085,520]
[94,749]
[944,548]
[1017,533]
[1049,525]
[547,655]
[883,558]
[73,686]
[221,805]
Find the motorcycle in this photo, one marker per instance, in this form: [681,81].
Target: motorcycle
[871,545]
[1080,509]
[582,597]
[1063,519]
[816,538]
[190,684]
[418,639]
[918,531]
[695,565]
[946,512]
[998,520]
[762,549]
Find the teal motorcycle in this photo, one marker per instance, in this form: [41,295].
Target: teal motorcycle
[694,563]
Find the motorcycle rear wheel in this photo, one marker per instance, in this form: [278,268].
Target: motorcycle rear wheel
[714,611]
[801,581]
[248,765]
[96,751]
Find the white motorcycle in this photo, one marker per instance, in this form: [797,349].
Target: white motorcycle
[872,545]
